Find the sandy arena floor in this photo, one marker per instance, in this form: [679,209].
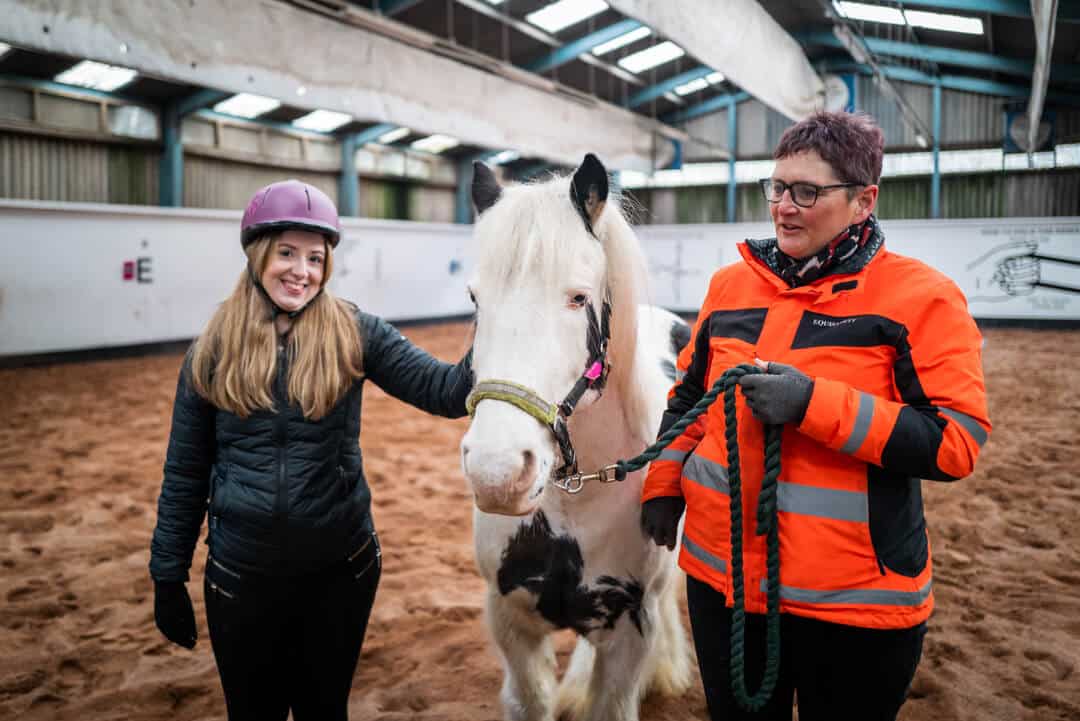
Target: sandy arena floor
[81,451]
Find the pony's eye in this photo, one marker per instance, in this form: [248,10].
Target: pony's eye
[578,300]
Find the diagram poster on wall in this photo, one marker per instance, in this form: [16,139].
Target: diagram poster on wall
[1014,268]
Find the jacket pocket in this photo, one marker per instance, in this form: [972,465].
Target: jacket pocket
[221,581]
[367,559]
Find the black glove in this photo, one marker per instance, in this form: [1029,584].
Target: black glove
[778,396]
[660,519]
[173,614]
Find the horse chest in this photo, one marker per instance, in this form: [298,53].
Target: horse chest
[550,568]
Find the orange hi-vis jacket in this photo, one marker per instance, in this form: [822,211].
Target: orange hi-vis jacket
[898,396]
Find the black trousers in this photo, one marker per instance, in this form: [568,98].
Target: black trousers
[292,643]
[838,673]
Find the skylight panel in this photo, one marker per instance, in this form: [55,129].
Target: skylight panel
[714,78]
[96,76]
[691,87]
[651,57]
[323,121]
[393,136]
[872,13]
[506,156]
[914,18]
[942,21]
[4,47]
[435,143]
[564,13]
[622,40]
[246,105]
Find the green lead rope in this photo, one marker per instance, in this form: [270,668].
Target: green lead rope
[766,525]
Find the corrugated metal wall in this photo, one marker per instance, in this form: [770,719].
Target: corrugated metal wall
[1068,126]
[43,168]
[698,204]
[214,183]
[711,128]
[898,134]
[433,205]
[1034,194]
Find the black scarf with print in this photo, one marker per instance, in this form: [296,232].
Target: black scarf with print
[848,252]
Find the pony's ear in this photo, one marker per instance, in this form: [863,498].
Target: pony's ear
[589,190]
[485,187]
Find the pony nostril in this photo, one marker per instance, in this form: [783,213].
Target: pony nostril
[528,466]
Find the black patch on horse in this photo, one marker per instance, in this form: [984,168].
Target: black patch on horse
[549,567]
[679,336]
[669,369]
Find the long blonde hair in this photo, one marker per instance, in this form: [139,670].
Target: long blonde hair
[234,361]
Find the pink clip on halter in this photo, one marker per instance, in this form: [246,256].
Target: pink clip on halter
[594,371]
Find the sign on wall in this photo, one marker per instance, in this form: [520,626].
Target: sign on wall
[1009,268]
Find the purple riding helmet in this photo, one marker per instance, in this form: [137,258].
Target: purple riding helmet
[290,205]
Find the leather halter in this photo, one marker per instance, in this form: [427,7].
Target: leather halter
[555,415]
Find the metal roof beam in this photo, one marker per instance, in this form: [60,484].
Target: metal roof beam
[709,106]
[537,34]
[951,82]
[370,135]
[945,56]
[393,7]
[1068,10]
[570,51]
[660,89]
[199,100]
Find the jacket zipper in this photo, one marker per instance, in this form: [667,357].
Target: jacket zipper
[281,499]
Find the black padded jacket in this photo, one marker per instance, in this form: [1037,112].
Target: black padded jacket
[286,495]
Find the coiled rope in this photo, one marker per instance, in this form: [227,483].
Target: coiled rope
[766,525]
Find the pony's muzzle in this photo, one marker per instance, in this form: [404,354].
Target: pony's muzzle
[505,480]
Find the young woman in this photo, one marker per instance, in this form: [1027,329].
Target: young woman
[265,440]
[874,370]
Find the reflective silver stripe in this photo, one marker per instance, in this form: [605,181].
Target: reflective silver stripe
[862,423]
[704,556]
[968,423]
[831,503]
[822,502]
[671,455]
[866,596]
[707,473]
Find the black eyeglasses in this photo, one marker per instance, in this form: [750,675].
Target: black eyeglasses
[803,195]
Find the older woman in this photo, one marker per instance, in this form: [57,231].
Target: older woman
[873,368]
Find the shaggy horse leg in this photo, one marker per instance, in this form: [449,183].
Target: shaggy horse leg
[617,686]
[528,664]
[573,699]
[670,669]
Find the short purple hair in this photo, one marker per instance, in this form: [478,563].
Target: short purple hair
[851,143]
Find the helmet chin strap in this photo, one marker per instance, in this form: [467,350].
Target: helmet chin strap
[277,309]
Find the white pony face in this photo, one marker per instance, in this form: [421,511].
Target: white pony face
[539,268]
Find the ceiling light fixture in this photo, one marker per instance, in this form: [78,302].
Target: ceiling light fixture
[96,76]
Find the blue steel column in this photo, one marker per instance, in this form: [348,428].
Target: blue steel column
[935,179]
[733,145]
[171,172]
[348,185]
[462,195]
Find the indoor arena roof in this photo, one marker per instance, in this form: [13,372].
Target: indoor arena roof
[545,79]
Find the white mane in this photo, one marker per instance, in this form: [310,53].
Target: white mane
[537,236]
